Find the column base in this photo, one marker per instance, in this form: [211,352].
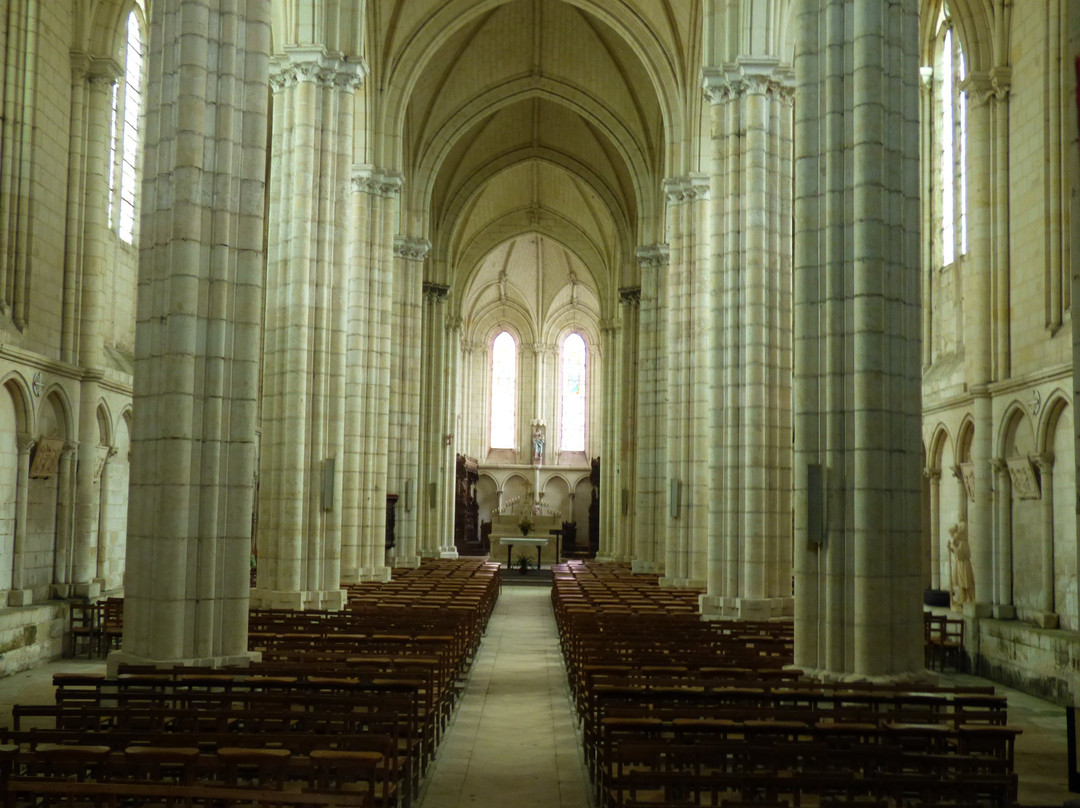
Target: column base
[1004,611]
[408,562]
[671,582]
[380,574]
[918,677]
[330,599]
[90,591]
[642,567]
[448,554]
[1045,619]
[117,658]
[61,591]
[20,597]
[977,610]
[715,607]
[604,559]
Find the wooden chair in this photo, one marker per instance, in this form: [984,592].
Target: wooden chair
[84,628]
[112,625]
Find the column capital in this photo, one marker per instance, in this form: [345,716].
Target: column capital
[987,85]
[748,75]
[538,348]
[653,256]
[609,325]
[375,181]
[999,465]
[411,249]
[435,293]
[315,66]
[68,450]
[1044,461]
[454,322]
[932,474]
[691,188]
[630,295]
[26,444]
[95,70]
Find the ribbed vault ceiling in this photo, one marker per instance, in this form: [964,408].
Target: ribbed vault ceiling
[533,117]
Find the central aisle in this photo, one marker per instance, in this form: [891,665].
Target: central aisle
[512,740]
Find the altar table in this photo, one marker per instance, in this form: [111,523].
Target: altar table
[539,543]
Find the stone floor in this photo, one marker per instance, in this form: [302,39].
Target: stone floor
[513,742]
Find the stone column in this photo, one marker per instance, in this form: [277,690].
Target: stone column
[87,255]
[934,476]
[18,595]
[1045,464]
[449,425]
[87,495]
[857,388]
[197,335]
[686,394]
[101,550]
[433,406]
[611,523]
[751,159]
[404,470]
[624,492]
[303,403]
[651,425]
[367,393]
[91,97]
[1004,609]
[978,342]
[65,494]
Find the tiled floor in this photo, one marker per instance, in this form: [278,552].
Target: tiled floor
[512,741]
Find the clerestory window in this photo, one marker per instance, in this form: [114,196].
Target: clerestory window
[503,390]
[573,389]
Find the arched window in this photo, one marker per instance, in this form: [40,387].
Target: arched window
[572,374]
[124,144]
[503,390]
[953,108]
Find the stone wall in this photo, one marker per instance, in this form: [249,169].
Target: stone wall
[1043,662]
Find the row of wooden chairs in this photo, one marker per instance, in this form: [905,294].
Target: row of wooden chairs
[368,687]
[49,773]
[669,718]
[95,627]
[943,641]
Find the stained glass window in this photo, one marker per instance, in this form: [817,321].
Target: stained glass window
[503,390]
[573,394]
[124,143]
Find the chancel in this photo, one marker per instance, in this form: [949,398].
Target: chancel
[768,301]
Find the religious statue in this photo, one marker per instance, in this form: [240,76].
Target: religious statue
[963,577]
[538,444]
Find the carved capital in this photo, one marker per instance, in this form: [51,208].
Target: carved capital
[1044,462]
[315,66]
[26,444]
[986,86]
[748,76]
[69,449]
[692,188]
[411,249]
[653,256]
[454,323]
[435,293]
[630,295]
[376,182]
[932,474]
